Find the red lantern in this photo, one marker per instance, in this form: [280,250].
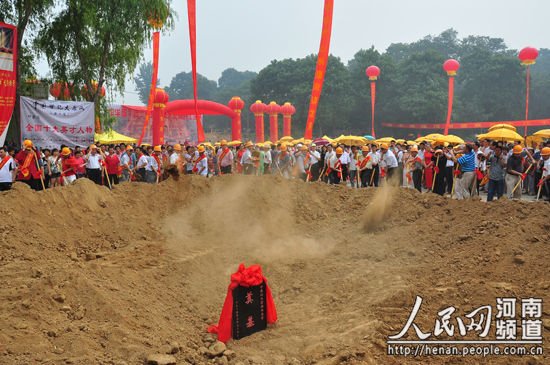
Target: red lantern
[287,110]
[161,97]
[160,100]
[60,91]
[94,83]
[373,72]
[528,55]
[451,67]
[236,104]
[258,108]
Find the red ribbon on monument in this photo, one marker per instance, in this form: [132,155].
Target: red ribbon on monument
[154,78]
[320,71]
[192,15]
[8,76]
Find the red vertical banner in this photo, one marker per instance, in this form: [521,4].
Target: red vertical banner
[373,103]
[527,99]
[320,70]
[192,16]
[154,78]
[450,104]
[8,76]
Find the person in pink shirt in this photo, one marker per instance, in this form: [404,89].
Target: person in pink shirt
[79,168]
[112,163]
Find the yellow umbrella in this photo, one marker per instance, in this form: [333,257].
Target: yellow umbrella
[421,139]
[208,145]
[351,140]
[533,141]
[502,125]
[433,136]
[113,137]
[267,143]
[327,138]
[502,134]
[400,141]
[234,143]
[286,139]
[544,133]
[411,143]
[450,139]
[386,140]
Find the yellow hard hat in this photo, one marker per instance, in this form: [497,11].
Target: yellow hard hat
[93,146]
[414,149]
[249,144]
[339,151]
[200,149]
[223,142]
[545,151]
[157,149]
[129,148]
[365,149]
[517,149]
[384,146]
[66,151]
[283,148]
[177,147]
[27,143]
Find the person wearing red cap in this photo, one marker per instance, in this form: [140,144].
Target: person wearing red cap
[29,171]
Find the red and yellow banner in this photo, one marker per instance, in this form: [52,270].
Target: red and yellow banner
[320,71]
[8,76]
[192,15]
[154,78]
[469,125]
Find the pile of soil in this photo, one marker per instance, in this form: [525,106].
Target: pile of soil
[92,276]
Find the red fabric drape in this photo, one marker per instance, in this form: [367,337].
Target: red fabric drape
[527,99]
[192,15]
[8,82]
[250,276]
[156,42]
[372,102]
[259,127]
[450,104]
[322,60]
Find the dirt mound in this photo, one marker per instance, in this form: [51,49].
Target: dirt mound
[89,275]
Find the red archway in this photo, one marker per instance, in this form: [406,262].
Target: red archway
[205,107]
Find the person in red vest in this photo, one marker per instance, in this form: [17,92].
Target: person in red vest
[112,163]
[29,171]
[69,166]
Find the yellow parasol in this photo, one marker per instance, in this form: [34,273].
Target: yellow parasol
[234,143]
[327,138]
[533,141]
[400,141]
[502,125]
[411,143]
[450,139]
[286,139]
[113,137]
[386,140]
[433,136]
[502,134]
[351,140]
[208,145]
[544,133]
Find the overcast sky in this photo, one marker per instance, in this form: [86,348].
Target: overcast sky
[248,34]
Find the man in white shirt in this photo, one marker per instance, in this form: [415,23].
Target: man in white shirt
[314,158]
[153,168]
[373,168]
[246,159]
[189,158]
[126,163]
[335,167]
[267,159]
[201,163]
[390,163]
[225,158]
[345,160]
[8,170]
[93,164]
[141,165]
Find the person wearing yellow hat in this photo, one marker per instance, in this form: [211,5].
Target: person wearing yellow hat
[246,159]
[373,166]
[283,161]
[225,158]
[268,158]
[68,166]
[439,162]
[201,163]
[414,166]
[389,163]
[301,156]
[30,172]
[153,170]
[514,173]
[314,165]
[94,162]
[127,163]
[544,183]
[334,170]
[362,160]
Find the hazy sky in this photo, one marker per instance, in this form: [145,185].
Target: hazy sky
[248,34]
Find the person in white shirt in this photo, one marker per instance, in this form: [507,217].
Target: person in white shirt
[353,176]
[189,158]
[201,163]
[267,159]
[345,160]
[8,170]
[225,158]
[127,163]
[335,167]
[93,164]
[449,170]
[141,165]
[389,162]
[373,168]
[246,159]
[154,166]
[314,158]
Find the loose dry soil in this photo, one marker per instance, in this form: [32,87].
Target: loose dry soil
[89,276]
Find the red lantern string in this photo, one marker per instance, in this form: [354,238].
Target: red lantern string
[322,60]
[192,16]
[156,42]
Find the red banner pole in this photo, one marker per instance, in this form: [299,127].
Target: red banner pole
[528,83]
[156,42]
[373,102]
[192,16]
[320,70]
[450,104]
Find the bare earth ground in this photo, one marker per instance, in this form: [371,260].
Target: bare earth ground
[89,276]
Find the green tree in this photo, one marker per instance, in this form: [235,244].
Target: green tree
[181,87]
[100,40]
[143,81]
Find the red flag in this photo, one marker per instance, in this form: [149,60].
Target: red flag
[322,60]
[8,76]
[156,42]
[450,104]
[192,15]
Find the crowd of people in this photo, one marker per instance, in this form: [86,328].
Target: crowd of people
[462,171]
